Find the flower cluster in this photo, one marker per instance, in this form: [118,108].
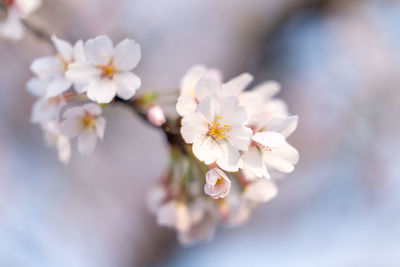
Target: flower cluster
[12,14]
[238,142]
[74,85]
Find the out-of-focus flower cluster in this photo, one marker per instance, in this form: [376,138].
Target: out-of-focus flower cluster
[12,12]
[74,85]
[238,142]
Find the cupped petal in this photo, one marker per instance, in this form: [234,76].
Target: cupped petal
[228,157]
[87,143]
[194,127]
[47,67]
[282,158]
[185,105]
[92,109]
[58,86]
[82,73]
[207,86]
[64,49]
[102,91]
[269,139]
[237,85]
[99,50]
[127,84]
[127,55]
[100,127]
[191,78]
[285,126]
[206,149]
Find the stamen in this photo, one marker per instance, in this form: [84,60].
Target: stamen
[108,70]
[217,131]
[219,181]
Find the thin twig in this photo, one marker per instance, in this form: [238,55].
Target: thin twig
[37,32]
[170,127]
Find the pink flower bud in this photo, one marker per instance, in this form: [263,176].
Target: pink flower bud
[156,115]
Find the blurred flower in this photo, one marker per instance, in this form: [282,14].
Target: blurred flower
[260,190]
[156,115]
[86,123]
[217,184]
[186,102]
[108,70]
[55,139]
[50,70]
[47,109]
[174,214]
[16,10]
[217,131]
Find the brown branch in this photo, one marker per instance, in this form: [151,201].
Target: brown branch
[37,32]
[170,128]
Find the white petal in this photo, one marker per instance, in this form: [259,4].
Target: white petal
[206,149]
[100,127]
[73,112]
[58,86]
[99,50]
[275,108]
[267,89]
[64,149]
[194,126]
[79,52]
[102,91]
[253,160]
[127,84]
[12,28]
[232,113]
[209,108]
[80,88]
[207,86]
[185,105]
[282,158]
[269,139]
[127,55]
[36,86]
[285,126]
[174,214]
[82,73]
[25,7]
[240,137]
[63,48]
[92,108]
[261,190]
[191,78]
[237,84]
[228,158]
[87,143]
[47,67]
[69,127]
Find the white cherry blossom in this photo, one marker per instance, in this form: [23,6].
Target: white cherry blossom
[55,139]
[108,70]
[269,149]
[86,123]
[187,101]
[12,28]
[260,190]
[50,70]
[47,109]
[174,214]
[217,131]
[217,184]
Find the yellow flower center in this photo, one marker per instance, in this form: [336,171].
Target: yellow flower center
[218,131]
[219,181]
[108,70]
[87,122]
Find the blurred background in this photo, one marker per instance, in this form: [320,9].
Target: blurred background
[339,64]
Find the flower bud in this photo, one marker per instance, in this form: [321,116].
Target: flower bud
[217,184]
[156,115]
